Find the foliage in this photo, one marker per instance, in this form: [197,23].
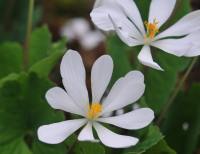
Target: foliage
[23,107]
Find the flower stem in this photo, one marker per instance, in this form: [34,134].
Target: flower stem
[176,91]
[28,34]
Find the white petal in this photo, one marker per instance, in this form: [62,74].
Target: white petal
[108,114]
[132,12]
[100,17]
[188,24]
[124,92]
[193,52]
[117,87]
[86,134]
[145,58]
[119,112]
[59,99]
[73,75]
[186,46]
[99,3]
[112,139]
[193,40]
[100,76]
[176,47]
[136,76]
[136,106]
[120,85]
[127,33]
[58,132]
[136,119]
[111,17]
[161,10]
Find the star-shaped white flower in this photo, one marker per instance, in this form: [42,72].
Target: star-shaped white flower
[74,99]
[123,16]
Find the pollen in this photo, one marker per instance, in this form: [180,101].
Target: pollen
[94,111]
[152,28]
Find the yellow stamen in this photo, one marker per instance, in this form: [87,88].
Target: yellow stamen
[94,111]
[152,28]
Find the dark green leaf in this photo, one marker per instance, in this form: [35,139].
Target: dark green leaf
[147,141]
[183,122]
[11,58]
[17,146]
[23,107]
[88,148]
[40,44]
[117,50]
[44,66]
[160,148]
[159,85]
[42,148]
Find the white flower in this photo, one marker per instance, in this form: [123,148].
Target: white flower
[123,16]
[74,99]
[79,29]
[75,28]
[91,39]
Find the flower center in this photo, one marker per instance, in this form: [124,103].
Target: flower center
[152,29]
[94,111]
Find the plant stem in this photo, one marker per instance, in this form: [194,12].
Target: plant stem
[28,34]
[176,91]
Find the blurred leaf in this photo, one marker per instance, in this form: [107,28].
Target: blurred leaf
[160,148]
[13,19]
[12,76]
[151,138]
[117,50]
[13,16]
[42,148]
[89,148]
[184,113]
[159,85]
[17,146]
[11,58]
[44,66]
[23,108]
[40,44]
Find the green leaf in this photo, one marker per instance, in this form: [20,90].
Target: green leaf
[10,77]
[23,108]
[42,148]
[160,148]
[11,58]
[17,146]
[117,50]
[147,141]
[44,66]
[184,113]
[89,148]
[159,85]
[40,44]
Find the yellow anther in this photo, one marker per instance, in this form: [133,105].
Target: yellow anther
[152,28]
[94,111]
